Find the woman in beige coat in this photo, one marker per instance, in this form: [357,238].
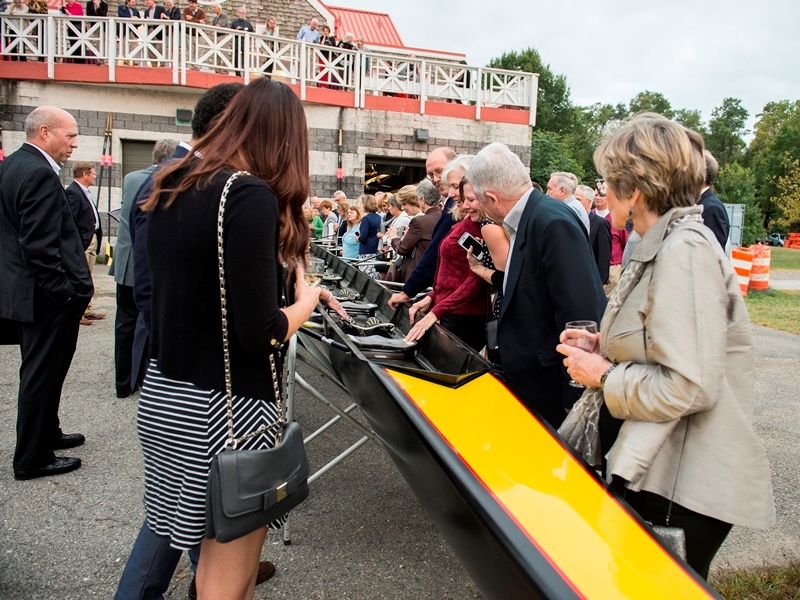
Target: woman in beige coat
[674,357]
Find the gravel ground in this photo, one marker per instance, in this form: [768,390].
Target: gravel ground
[360,535]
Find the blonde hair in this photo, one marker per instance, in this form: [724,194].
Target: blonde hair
[356,209]
[407,194]
[660,158]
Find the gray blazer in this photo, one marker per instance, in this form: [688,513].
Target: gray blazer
[122,265]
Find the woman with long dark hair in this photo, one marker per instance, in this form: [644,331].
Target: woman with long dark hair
[182,411]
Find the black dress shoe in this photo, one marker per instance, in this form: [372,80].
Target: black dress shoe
[69,440]
[123,393]
[62,464]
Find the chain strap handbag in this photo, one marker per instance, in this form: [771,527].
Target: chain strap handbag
[248,489]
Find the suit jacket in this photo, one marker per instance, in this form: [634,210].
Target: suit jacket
[715,217]
[600,241]
[417,238]
[552,279]
[124,11]
[142,290]
[79,203]
[422,275]
[159,10]
[122,266]
[100,11]
[40,245]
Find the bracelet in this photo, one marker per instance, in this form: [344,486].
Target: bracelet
[483,272]
[607,373]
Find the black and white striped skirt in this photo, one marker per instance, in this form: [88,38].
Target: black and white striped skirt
[181,428]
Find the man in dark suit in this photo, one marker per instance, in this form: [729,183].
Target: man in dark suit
[46,286]
[88,220]
[128,10]
[550,279]
[422,275]
[127,379]
[599,232]
[715,217]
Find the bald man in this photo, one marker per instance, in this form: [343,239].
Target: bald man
[46,286]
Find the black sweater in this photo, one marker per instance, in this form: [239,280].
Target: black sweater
[182,253]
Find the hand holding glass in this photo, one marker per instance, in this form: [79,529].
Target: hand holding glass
[575,334]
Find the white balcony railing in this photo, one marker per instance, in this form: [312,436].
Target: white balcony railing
[182,47]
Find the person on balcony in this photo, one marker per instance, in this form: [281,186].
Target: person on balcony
[220,18]
[194,14]
[96,8]
[128,10]
[309,33]
[272,27]
[242,25]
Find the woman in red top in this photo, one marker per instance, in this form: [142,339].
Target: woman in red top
[460,299]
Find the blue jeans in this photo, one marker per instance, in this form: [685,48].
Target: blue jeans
[150,567]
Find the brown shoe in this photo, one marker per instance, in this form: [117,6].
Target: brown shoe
[86,321]
[94,315]
[265,571]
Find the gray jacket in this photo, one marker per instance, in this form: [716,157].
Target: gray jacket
[122,266]
[683,343]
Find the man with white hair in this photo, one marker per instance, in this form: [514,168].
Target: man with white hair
[562,187]
[599,232]
[46,287]
[220,18]
[550,279]
[309,32]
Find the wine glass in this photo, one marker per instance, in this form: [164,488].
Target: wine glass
[574,336]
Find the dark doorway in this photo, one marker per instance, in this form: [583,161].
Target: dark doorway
[383,174]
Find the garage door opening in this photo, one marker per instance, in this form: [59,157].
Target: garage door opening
[382,174]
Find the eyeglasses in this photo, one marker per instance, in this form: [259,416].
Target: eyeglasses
[436,173]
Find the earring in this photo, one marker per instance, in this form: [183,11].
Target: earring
[629,221]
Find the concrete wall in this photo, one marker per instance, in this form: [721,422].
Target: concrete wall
[142,113]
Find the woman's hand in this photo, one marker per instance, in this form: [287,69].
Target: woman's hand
[420,306]
[330,302]
[588,342]
[584,367]
[391,233]
[421,327]
[303,293]
[475,265]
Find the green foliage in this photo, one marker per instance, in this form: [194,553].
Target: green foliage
[648,101]
[552,152]
[691,119]
[784,259]
[737,185]
[788,199]
[554,110]
[726,130]
[776,141]
[777,310]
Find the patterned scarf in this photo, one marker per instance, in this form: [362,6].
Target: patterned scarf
[581,427]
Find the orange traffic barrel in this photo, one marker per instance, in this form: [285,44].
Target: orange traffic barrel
[759,274]
[742,260]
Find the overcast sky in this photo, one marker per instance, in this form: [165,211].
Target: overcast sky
[695,52]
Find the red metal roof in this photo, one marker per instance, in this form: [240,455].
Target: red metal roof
[374,27]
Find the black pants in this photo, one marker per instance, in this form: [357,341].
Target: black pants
[124,329]
[470,329]
[704,534]
[47,346]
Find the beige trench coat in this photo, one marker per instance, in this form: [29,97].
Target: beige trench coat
[683,343]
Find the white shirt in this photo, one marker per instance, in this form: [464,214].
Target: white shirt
[54,164]
[601,213]
[575,205]
[91,203]
[511,224]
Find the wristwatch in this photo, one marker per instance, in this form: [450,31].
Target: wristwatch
[605,375]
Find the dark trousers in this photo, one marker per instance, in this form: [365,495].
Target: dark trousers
[704,534]
[470,329]
[150,567]
[124,329]
[47,345]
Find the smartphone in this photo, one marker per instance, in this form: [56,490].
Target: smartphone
[470,242]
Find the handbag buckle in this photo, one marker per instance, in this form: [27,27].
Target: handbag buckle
[280,492]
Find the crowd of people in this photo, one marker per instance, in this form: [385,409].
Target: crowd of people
[670,397]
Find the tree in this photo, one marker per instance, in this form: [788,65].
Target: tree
[554,110]
[552,152]
[726,130]
[691,119]
[737,185]
[788,199]
[648,101]
[776,139]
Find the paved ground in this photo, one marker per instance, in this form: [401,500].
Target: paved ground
[361,535]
